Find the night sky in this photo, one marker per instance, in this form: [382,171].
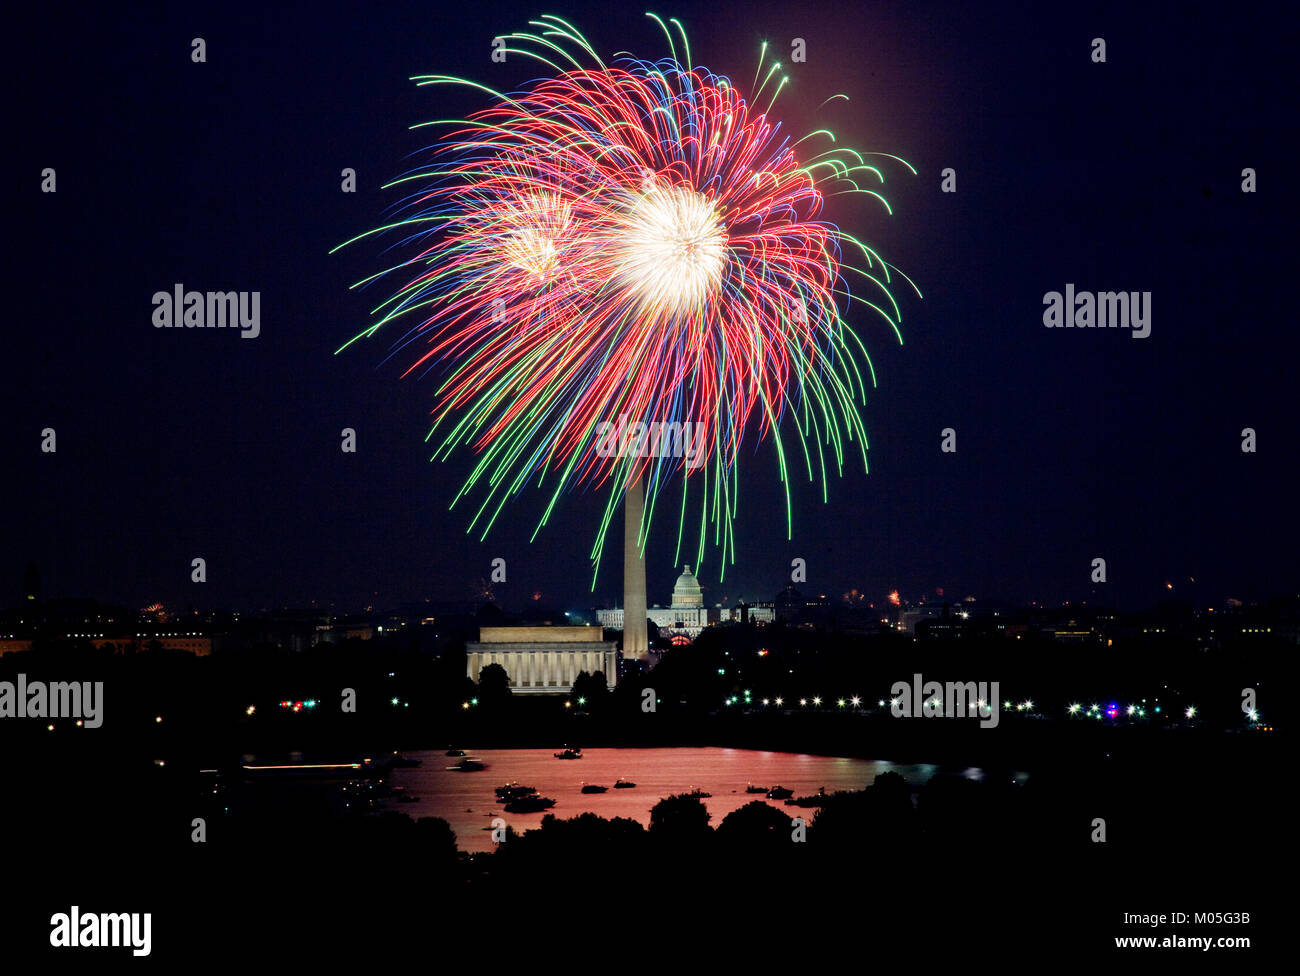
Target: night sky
[1071,443]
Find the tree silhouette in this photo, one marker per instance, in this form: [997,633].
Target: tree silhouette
[591,688]
[679,817]
[756,823]
[493,684]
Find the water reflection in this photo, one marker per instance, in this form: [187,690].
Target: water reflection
[467,800]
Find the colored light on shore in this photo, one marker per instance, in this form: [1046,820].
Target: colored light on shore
[1074,709]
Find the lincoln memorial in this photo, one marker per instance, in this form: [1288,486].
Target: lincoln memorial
[543,660]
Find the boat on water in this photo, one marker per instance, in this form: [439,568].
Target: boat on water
[468,765]
[529,804]
[398,761]
[751,788]
[779,793]
[622,784]
[345,770]
[593,788]
[514,791]
[407,798]
[568,754]
[454,752]
[696,793]
[807,801]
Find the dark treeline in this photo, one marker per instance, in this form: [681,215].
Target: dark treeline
[410,697]
[1192,809]
[286,868]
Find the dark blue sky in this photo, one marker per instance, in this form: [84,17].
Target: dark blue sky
[1071,444]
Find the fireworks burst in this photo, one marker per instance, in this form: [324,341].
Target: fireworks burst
[635,244]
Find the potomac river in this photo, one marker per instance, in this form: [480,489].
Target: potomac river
[467,800]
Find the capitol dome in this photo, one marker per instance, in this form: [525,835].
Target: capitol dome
[687,592]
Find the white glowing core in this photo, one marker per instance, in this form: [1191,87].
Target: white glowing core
[673,249]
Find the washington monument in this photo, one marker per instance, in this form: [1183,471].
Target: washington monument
[636,641]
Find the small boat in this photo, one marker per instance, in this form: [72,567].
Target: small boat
[696,793]
[454,752]
[622,784]
[779,793]
[751,788]
[514,791]
[592,788]
[568,754]
[807,801]
[529,804]
[407,798]
[401,762]
[348,771]
[468,765]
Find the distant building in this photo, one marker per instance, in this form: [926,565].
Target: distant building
[199,645]
[754,613]
[793,607]
[686,616]
[913,615]
[543,660]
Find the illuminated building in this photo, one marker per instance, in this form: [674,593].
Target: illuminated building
[543,660]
